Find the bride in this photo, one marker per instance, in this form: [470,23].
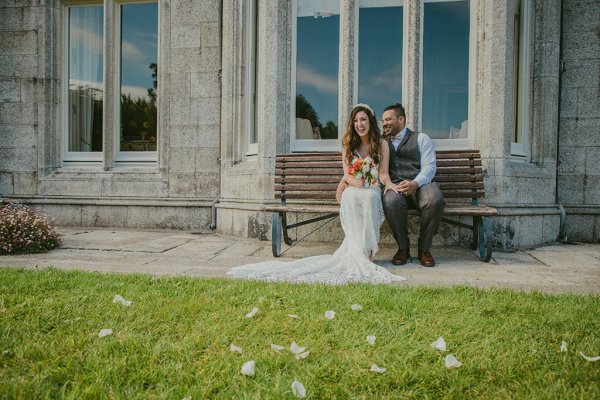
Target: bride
[361,215]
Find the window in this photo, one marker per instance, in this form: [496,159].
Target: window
[317,26]
[380,41]
[521,77]
[445,69]
[131,79]
[373,34]
[251,63]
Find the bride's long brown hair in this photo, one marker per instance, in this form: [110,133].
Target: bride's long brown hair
[351,140]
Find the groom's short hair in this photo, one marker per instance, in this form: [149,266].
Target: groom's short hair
[398,109]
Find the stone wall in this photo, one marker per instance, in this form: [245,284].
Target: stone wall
[177,190]
[579,136]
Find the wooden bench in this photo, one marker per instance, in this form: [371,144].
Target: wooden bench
[307,182]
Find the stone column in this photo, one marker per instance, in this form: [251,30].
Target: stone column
[413,37]
[348,78]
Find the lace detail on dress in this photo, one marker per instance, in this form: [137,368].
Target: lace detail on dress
[361,215]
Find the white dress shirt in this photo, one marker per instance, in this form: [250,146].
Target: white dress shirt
[427,152]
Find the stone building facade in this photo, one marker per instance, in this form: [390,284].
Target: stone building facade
[225,101]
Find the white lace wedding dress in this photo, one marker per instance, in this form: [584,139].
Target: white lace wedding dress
[361,215]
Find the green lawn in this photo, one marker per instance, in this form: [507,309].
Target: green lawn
[173,341]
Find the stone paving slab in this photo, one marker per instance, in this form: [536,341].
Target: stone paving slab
[559,268]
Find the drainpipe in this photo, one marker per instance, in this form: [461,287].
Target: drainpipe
[213,204]
[562,234]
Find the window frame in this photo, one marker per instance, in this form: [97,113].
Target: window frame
[111,156]
[521,150]
[251,57]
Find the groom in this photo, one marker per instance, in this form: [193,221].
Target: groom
[408,185]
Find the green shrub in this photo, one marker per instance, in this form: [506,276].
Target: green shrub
[23,230]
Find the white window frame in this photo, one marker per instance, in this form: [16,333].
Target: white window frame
[522,76]
[80,158]
[320,145]
[121,158]
[251,89]
[446,144]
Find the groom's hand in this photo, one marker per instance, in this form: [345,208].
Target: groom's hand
[408,188]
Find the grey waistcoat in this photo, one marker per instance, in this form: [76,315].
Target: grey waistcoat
[405,162]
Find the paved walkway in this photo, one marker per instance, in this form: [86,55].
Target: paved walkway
[554,269]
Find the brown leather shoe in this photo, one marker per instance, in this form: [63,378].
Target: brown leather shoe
[426,259]
[401,257]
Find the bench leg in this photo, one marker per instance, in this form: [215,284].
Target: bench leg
[485,236]
[276,234]
[286,238]
[476,227]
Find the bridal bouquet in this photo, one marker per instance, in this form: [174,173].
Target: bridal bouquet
[364,168]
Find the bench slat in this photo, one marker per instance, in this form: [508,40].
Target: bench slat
[309,179]
[450,209]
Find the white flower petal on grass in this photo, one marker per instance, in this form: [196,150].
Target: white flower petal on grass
[439,344]
[371,340]
[356,307]
[252,313]
[330,314]
[298,390]
[120,299]
[105,332]
[235,349]
[293,316]
[294,348]
[302,355]
[590,359]
[248,368]
[563,346]
[377,369]
[451,361]
[277,347]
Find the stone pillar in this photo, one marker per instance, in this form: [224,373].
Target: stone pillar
[413,37]
[348,78]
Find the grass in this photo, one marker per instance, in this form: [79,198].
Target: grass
[173,341]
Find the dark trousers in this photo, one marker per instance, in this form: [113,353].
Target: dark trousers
[429,200]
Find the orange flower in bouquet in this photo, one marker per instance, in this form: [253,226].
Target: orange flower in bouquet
[364,168]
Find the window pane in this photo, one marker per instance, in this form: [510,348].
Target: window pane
[86,93]
[445,69]
[317,60]
[139,38]
[380,53]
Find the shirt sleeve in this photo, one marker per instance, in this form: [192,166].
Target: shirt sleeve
[428,166]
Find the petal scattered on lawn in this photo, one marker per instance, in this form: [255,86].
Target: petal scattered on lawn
[105,332]
[294,348]
[356,307]
[120,299]
[590,359]
[293,316]
[452,362]
[563,346]
[371,340]
[277,347]
[235,349]
[298,390]
[302,355]
[248,368]
[329,314]
[377,369]
[252,313]
[439,344]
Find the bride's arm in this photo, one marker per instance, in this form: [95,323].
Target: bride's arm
[383,171]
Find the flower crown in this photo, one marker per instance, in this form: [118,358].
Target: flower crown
[368,107]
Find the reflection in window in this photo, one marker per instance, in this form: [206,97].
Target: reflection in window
[85,99]
[380,53]
[139,38]
[317,61]
[445,69]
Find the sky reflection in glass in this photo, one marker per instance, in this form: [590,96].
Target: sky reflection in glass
[445,69]
[317,62]
[380,55]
